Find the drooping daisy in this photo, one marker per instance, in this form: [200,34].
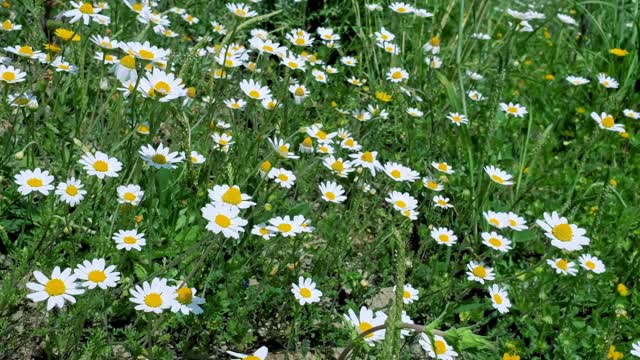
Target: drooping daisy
[365,321]
[606,121]
[515,110]
[457,119]
[367,160]
[254,89]
[71,191]
[11,75]
[577,80]
[222,141]
[196,158]
[401,201]
[607,81]
[562,266]
[398,172]
[496,241]
[496,219]
[332,192]
[270,104]
[100,165]
[562,234]
[631,114]
[567,19]
[186,301]
[338,166]
[94,273]
[441,202]
[286,226]
[241,10]
[282,177]
[409,293]
[282,149]
[161,157]
[434,61]
[129,239]
[591,263]
[396,75]
[231,195]
[162,86]
[401,8]
[438,349]
[234,104]
[155,297]
[29,181]
[404,317]
[24,51]
[130,194]
[443,167]
[260,354]
[299,92]
[478,272]
[498,176]
[414,112]
[432,184]
[56,290]
[305,291]
[263,231]
[475,96]
[499,299]
[444,236]
[224,218]
[515,222]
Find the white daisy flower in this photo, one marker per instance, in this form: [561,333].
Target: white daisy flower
[563,235]
[332,192]
[305,291]
[94,273]
[260,354]
[56,290]
[499,299]
[282,177]
[29,181]
[224,218]
[231,195]
[438,348]
[130,194]
[562,266]
[155,297]
[496,241]
[160,157]
[591,263]
[498,176]
[367,320]
[100,165]
[186,301]
[444,236]
[129,239]
[478,272]
[71,191]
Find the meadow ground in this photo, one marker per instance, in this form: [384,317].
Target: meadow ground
[316,179]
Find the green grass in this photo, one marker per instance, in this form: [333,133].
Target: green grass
[559,158]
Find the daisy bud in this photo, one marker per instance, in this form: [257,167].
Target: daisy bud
[104,84]
[19,155]
[268,207]
[191,92]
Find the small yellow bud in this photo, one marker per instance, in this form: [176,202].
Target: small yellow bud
[622,289]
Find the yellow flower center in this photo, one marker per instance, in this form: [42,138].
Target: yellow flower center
[223,221]
[128,61]
[97,276]
[480,271]
[367,156]
[137,7]
[497,179]
[337,166]
[8,76]
[7,25]
[55,287]
[241,12]
[402,9]
[590,264]
[443,238]
[512,223]
[495,242]
[406,294]
[401,204]
[440,347]
[264,231]
[443,167]
[129,240]
[35,182]
[86,8]
[26,50]
[159,159]
[153,300]
[562,264]
[285,227]
[101,166]
[432,185]
[265,166]
[129,196]
[349,142]
[330,195]
[562,232]
[494,222]
[364,326]
[251,357]
[608,122]
[254,94]
[267,48]
[185,295]
[396,173]
[283,177]
[442,203]
[299,91]
[497,299]
[305,293]
[293,65]
[396,75]
[300,41]
[162,87]
[512,109]
[71,190]
[146,54]
[232,196]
